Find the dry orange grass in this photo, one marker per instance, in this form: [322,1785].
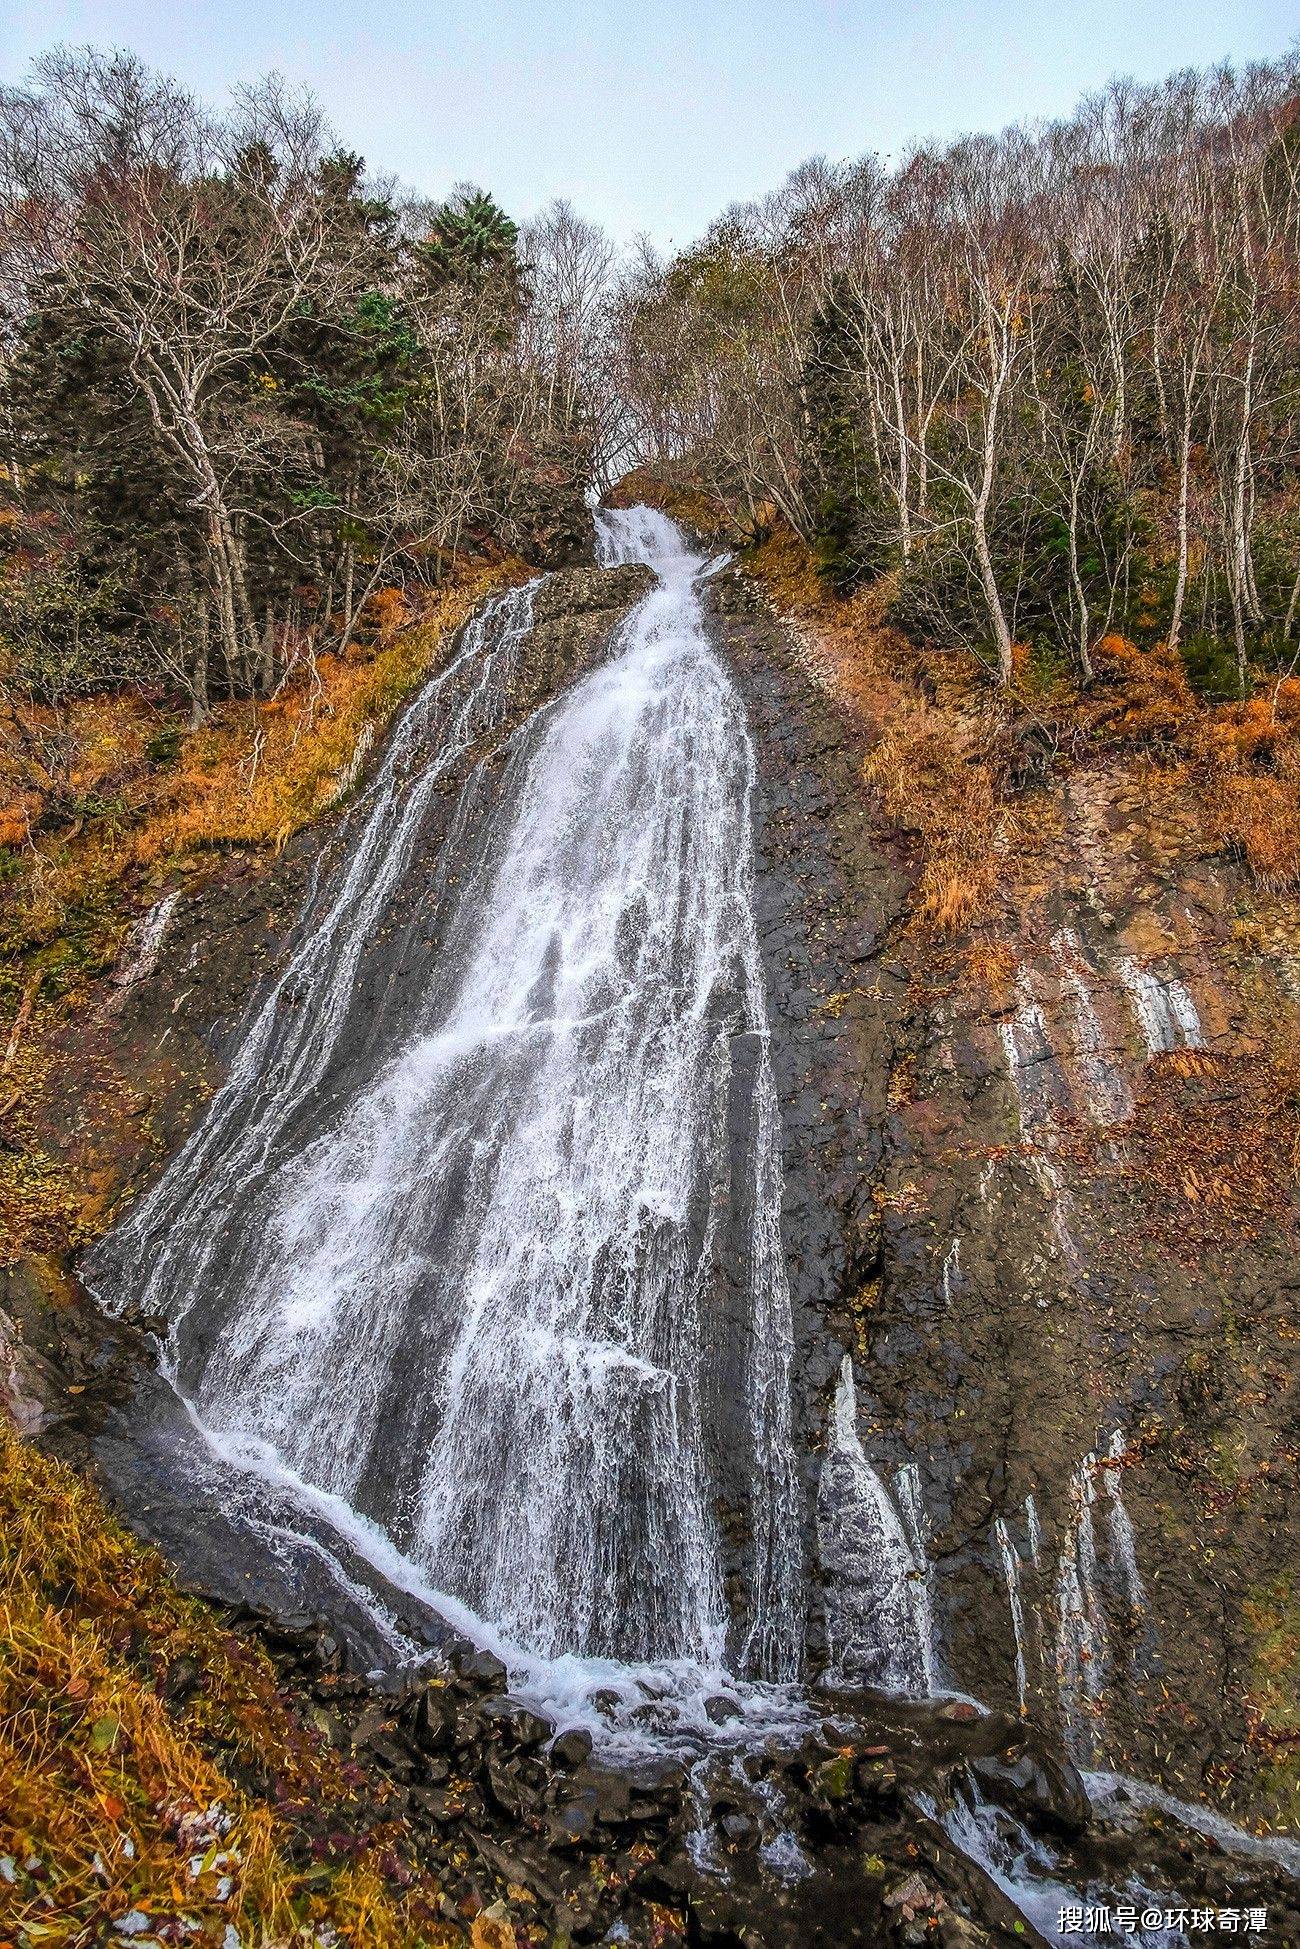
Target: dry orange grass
[1252,753]
[1141,697]
[252,777]
[930,762]
[1245,756]
[112,1802]
[933,783]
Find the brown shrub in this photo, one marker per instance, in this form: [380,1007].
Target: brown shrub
[252,777]
[1251,754]
[1141,697]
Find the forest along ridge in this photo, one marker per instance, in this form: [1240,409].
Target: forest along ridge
[883,1531]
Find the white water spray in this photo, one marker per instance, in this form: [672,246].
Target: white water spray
[1011,1572]
[476,1290]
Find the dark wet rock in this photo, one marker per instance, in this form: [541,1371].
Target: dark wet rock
[572,1749]
[670,1878]
[479,1668]
[512,1789]
[435,1718]
[515,1724]
[1042,1789]
[573,1818]
[876,1780]
[613,1794]
[590,591]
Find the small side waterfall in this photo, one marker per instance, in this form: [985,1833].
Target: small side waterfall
[952,1272]
[1106,1092]
[1081,1621]
[1041,1095]
[878,1609]
[1084,1631]
[1164,1008]
[140,951]
[497,1273]
[1123,1544]
[1011,1572]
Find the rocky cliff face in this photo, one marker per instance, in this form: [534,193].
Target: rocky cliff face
[1034,1190]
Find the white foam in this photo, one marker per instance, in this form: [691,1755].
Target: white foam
[879,1621]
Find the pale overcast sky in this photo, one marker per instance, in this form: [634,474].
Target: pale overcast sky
[654,114]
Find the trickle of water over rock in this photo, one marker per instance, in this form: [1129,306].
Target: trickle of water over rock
[1011,1572]
[916,1521]
[475,1285]
[1081,1621]
[143,944]
[1165,1010]
[1031,1065]
[1106,1092]
[878,1610]
[1123,1555]
[1083,1635]
[1041,1096]
[951,1271]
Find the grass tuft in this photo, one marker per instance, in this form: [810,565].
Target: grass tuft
[150,1769]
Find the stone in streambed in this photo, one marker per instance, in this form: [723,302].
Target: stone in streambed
[516,1725]
[479,1668]
[572,1749]
[1039,1788]
[573,1820]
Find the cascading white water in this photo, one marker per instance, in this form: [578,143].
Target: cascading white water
[1081,1619]
[879,1617]
[1164,1008]
[1106,1094]
[478,1289]
[1010,1559]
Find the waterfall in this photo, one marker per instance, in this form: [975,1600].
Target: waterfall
[1106,1092]
[1081,1620]
[490,1261]
[1011,1572]
[1164,1008]
[878,1609]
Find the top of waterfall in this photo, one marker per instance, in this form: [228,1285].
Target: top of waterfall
[644,534]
